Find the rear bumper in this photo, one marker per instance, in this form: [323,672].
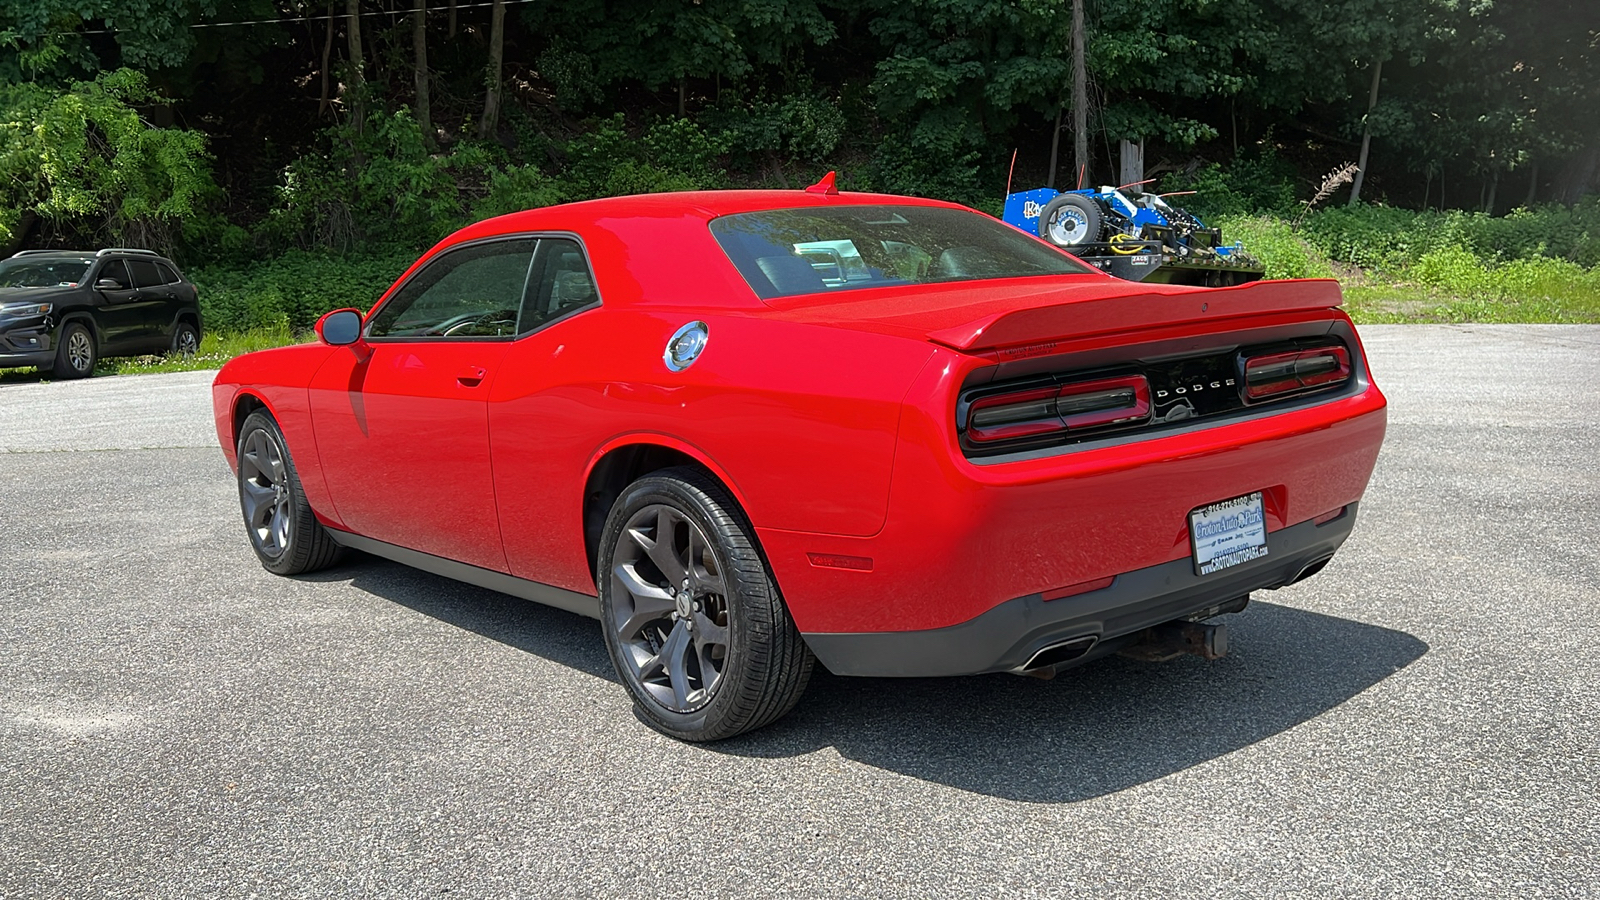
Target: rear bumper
[1007,636]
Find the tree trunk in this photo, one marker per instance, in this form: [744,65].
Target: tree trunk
[1080,98]
[491,100]
[452,19]
[1366,135]
[1494,191]
[1055,148]
[1576,176]
[1533,187]
[1132,170]
[327,51]
[358,78]
[419,46]
[24,229]
[683,97]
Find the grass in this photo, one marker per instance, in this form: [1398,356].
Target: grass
[215,349]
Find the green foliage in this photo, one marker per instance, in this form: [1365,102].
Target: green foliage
[87,153]
[1261,183]
[798,126]
[672,155]
[1274,242]
[1393,239]
[383,183]
[294,289]
[516,188]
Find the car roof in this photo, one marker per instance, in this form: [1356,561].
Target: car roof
[656,248]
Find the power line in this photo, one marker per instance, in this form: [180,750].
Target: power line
[380,12]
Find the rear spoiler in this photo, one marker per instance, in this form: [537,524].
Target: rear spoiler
[1100,315]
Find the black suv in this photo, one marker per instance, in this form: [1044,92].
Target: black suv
[64,309]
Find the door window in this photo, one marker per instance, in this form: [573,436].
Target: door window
[470,293]
[562,284]
[145,274]
[117,271]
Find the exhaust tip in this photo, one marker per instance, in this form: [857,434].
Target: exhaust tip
[1055,654]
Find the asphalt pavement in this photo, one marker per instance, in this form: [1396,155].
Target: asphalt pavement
[1419,720]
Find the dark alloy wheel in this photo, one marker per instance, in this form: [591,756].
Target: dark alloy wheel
[185,340]
[692,618]
[283,530]
[1071,220]
[75,354]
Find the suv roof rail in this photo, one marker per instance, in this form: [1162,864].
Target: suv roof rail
[49,252]
[106,250]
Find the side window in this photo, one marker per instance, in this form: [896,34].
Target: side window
[117,271]
[167,275]
[145,274]
[563,284]
[473,292]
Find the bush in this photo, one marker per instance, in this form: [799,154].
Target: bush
[1271,240]
[295,289]
[672,155]
[1251,185]
[1393,239]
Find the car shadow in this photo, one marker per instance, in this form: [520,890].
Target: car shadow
[1095,730]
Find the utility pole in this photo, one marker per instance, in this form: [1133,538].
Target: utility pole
[1080,99]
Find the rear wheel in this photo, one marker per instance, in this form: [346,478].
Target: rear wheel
[692,618]
[75,352]
[1071,220]
[185,340]
[283,530]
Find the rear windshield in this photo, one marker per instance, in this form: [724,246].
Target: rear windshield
[23,273]
[785,252]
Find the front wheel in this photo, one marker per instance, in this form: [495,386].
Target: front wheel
[283,530]
[692,617]
[76,352]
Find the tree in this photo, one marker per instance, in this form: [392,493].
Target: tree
[419,47]
[491,100]
[86,154]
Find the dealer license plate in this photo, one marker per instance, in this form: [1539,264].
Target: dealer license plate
[1228,533]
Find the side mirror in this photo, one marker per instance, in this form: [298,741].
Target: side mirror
[340,328]
[109,284]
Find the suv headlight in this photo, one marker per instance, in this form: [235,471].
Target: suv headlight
[18,310]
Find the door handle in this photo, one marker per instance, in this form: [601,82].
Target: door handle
[471,377]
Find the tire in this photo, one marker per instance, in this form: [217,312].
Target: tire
[76,353]
[283,530]
[185,340]
[713,661]
[1071,220]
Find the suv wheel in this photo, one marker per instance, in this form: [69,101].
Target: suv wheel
[185,340]
[75,353]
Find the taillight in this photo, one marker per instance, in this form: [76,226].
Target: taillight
[1278,374]
[1104,402]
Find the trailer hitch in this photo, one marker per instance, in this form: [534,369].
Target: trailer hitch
[1174,639]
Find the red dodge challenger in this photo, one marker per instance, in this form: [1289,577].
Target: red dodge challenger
[750,431]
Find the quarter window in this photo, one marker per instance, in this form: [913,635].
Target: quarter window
[562,283]
[473,292]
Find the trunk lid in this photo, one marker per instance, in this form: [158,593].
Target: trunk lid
[997,315]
